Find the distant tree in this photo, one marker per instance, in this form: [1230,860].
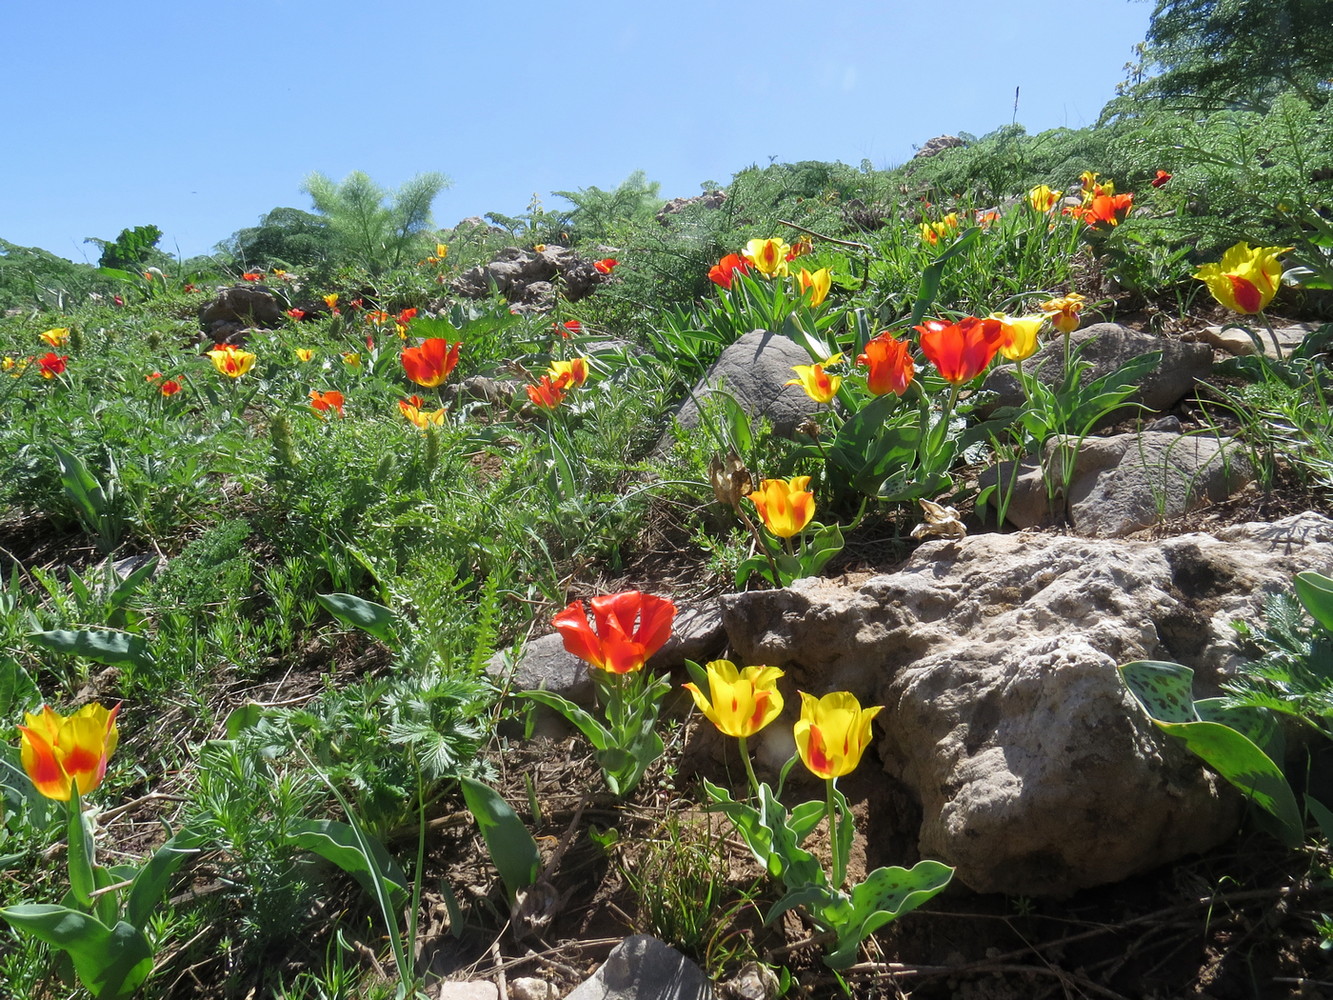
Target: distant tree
[133,250]
[597,213]
[374,227]
[31,276]
[285,237]
[1211,54]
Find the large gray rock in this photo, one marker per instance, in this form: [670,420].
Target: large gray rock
[1122,483]
[237,309]
[995,658]
[755,370]
[526,278]
[1108,346]
[643,968]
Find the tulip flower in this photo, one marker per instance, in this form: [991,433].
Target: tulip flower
[231,360]
[818,284]
[818,384]
[785,506]
[1088,182]
[1064,312]
[252,276]
[960,351]
[52,364]
[1020,335]
[56,337]
[569,373]
[606,265]
[405,316]
[60,752]
[431,363]
[932,231]
[170,387]
[889,364]
[630,628]
[547,394]
[441,251]
[323,402]
[411,408]
[190,288]
[331,300]
[1245,280]
[1104,208]
[296,314]
[1161,179]
[1042,198]
[303,354]
[739,703]
[768,256]
[351,359]
[568,326]
[724,271]
[832,733]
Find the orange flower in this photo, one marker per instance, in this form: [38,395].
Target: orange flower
[431,363]
[1104,208]
[724,271]
[416,416]
[1161,178]
[52,364]
[567,327]
[252,276]
[605,265]
[377,317]
[961,351]
[296,314]
[331,300]
[405,317]
[1063,312]
[322,402]
[547,394]
[59,752]
[890,365]
[630,628]
[569,373]
[170,387]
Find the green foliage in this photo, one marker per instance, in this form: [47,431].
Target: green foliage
[284,238]
[133,250]
[1232,53]
[33,278]
[375,228]
[600,215]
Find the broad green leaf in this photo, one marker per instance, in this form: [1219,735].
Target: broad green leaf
[823,545]
[18,693]
[885,895]
[103,645]
[368,616]
[1247,767]
[513,851]
[243,718]
[152,882]
[112,962]
[1316,593]
[1165,690]
[582,721]
[337,842]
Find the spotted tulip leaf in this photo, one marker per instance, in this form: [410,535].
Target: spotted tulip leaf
[1165,690]
[885,895]
[1316,593]
[368,616]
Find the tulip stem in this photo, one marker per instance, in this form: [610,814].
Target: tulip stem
[1272,334]
[839,862]
[749,768]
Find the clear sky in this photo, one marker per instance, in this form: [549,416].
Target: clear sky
[198,116]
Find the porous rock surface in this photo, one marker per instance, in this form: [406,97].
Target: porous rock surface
[239,308]
[527,278]
[995,658]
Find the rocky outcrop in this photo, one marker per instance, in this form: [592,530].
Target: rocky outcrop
[528,278]
[937,145]
[1005,719]
[710,199]
[237,309]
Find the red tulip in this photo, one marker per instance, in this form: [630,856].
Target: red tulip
[1161,178]
[889,363]
[961,351]
[431,363]
[724,271]
[604,266]
[322,402]
[52,364]
[547,394]
[631,627]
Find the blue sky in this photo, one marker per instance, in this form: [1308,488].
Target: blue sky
[199,116]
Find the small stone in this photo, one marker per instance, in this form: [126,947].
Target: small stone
[531,988]
[475,990]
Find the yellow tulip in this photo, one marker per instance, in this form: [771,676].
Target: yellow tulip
[569,373]
[1020,335]
[818,384]
[818,283]
[441,251]
[1064,312]
[785,506]
[1245,280]
[351,359]
[230,360]
[768,256]
[58,752]
[1042,198]
[832,733]
[739,702]
[56,337]
[304,354]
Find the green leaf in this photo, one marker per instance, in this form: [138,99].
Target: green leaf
[513,851]
[79,856]
[596,733]
[153,881]
[112,962]
[103,645]
[357,612]
[1316,592]
[246,717]
[1322,815]
[338,843]
[885,895]
[18,693]
[1165,690]
[822,546]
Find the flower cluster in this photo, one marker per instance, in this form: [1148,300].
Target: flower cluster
[560,377]
[771,258]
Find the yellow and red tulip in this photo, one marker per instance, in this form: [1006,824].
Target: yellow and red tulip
[832,733]
[739,702]
[630,628]
[1246,279]
[818,384]
[889,365]
[1064,311]
[431,363]
[785,506]
[230,360]
[59,752]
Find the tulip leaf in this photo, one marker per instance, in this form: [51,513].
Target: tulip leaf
[512,849]
[929,285]
[371,865]
[103,645]
[884,895]
[18,693]
[357,612]
[111,962]
[152,882]
[1316,593]
[822,546]
[596,733]
[1165,690]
